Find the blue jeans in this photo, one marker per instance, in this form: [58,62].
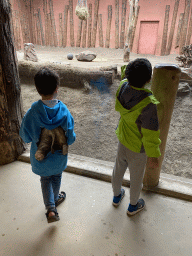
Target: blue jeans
[50,186]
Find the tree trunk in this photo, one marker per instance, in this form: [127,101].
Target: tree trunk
[11,145]
[116,24]
[89,26]
[170,40]
[185,26]
[108,30]
[165,30]
[96,10]
[123,16]
[189,31]
[179,30]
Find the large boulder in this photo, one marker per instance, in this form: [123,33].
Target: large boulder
[86,56]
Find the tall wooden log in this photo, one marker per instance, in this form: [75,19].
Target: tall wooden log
[185,25]
[100,30]
[96,10]
[33,26]
[165,83]
[165,30]
[89,26]
[41,27]
[123,16]
[11,111]
[30,21]
[180,24]
[60,30]
[189,31]
[172,29]
[116,24]
[79,32]
[66,10]
[38,29]
[134,28]
[54,31]
[84,33]
[108,30]
[72,40]
[46,22]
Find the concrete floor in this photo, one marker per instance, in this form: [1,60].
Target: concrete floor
[89,224]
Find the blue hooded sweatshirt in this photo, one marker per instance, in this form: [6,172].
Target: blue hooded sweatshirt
[41,116]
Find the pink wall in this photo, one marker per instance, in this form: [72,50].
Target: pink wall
[150,11]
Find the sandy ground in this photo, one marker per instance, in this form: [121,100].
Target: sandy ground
[95,117]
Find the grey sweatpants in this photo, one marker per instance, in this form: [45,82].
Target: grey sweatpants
[136,163]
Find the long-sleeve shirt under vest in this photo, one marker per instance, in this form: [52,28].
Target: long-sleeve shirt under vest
[138,127]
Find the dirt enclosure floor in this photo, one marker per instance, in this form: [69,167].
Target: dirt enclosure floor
[95,117]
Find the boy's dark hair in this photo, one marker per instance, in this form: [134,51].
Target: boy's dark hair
[46,81]
[138,72]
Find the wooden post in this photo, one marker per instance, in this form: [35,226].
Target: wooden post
[72,40]
[185,25]
[33,26]
[165,30]
[122,33]
[134,28]
[116,24]
[179,30]
[96,10]
[171,33]
[38,29]
[41,27]
[189,31]
[89,26]
[108,30]
[84,33]
[54,31]
[100,30]
[79,32]
[46,22]
[165,83]
[60,30]
[66,10]
[11,111]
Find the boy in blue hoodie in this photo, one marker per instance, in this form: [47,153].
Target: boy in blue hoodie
[137,131]
[48,113]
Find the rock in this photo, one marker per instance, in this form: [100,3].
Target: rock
[185,75]
[29,52]
[69,56]
[183,89]
[86,56]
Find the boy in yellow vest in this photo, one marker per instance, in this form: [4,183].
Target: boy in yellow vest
[137,131]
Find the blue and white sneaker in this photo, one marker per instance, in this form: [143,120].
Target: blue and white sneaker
[133,209]
[117,199]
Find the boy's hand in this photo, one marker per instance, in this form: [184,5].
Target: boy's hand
[153,162]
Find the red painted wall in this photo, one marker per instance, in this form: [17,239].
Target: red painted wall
[150,11]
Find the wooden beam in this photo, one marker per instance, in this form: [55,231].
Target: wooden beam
[66,10]
[89,26]
[123,16]
[116,24]
[72,40]
[46,22]
[185,26]
[54,31]
[60,30]
[189,31]
[100,30]
[84,33]
[79,32]
[41,27]
[134,28]
[174,18]
[165,30]
[96,10]
[108,30]
[180,24]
